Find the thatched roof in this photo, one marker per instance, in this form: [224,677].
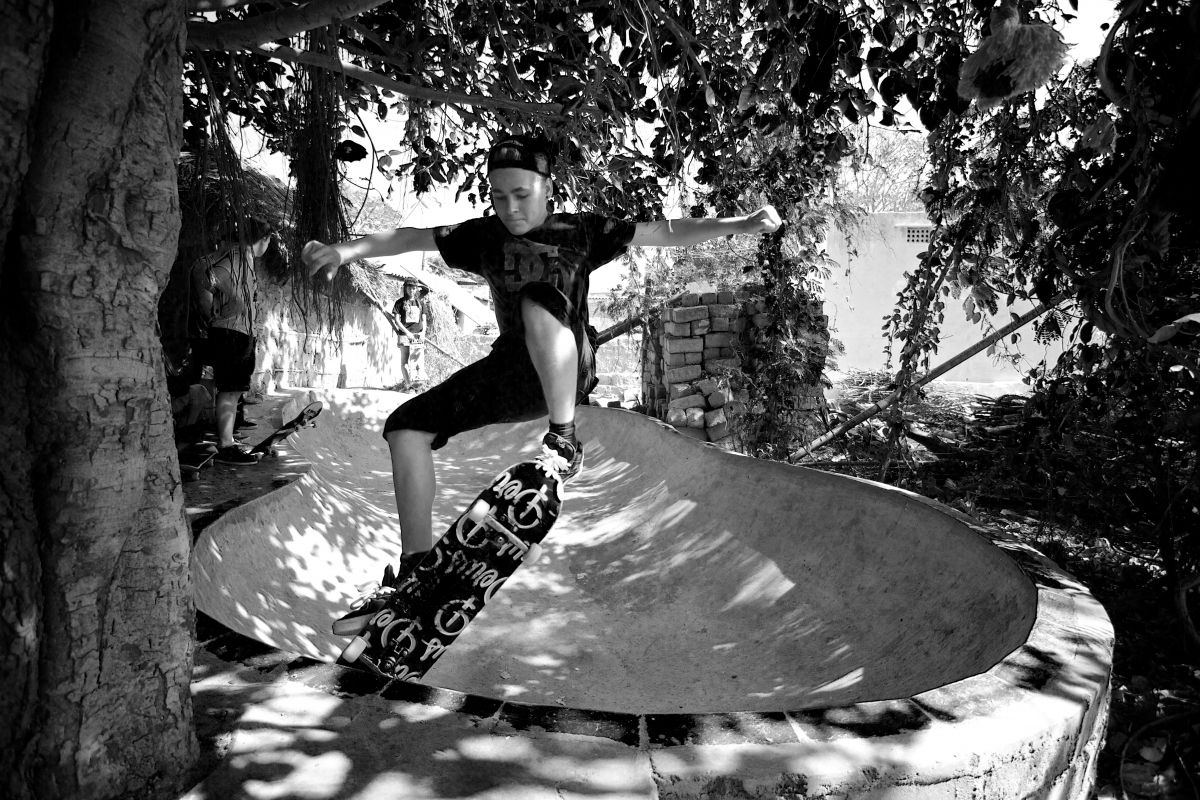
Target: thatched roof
[373,282]
[203,196]
[203,200]
[368,213]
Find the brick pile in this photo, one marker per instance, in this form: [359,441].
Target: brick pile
[688,355]
[691,363]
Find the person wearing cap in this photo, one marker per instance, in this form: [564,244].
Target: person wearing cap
[411,312]
[536,263]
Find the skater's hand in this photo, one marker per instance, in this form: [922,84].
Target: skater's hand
[321,258]
[765,220]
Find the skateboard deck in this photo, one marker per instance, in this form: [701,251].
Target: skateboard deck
[195,457]
[302,420]
[502,529]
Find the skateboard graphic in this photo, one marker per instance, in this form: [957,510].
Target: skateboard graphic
[302,420]
[195,457]
[502,529]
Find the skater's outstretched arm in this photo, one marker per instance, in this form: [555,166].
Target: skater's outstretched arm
[327,258]
[689,231]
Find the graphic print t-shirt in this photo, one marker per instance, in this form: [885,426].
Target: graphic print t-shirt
[562,252]
[410,313]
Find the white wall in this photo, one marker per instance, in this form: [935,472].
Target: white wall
[862,292]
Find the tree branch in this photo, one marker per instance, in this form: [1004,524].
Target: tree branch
[280,24]
[936,372]
[294,56]
[200,6]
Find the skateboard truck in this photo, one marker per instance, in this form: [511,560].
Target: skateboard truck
[480,513]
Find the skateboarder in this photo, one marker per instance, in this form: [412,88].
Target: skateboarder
[536,263]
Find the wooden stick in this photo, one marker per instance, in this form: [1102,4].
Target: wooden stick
[936,372]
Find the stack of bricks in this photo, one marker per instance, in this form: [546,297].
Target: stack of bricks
[689,349]
[691,368]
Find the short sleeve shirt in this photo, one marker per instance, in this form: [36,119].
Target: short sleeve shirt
[561,252]
[411,314]
[230,277]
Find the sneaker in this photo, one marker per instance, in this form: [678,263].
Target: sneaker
[241,423]
[214,437]
[375,598]
[562,455]
[235,455]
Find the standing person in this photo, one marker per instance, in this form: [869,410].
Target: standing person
[411,310]
[223,287]
[536,264]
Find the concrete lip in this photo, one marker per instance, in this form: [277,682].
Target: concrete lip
[742,628]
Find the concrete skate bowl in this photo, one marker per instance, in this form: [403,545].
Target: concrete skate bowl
[749,628]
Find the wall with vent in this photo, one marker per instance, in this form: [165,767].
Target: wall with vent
[862,290]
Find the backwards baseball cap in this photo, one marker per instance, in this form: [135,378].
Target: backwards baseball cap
[521,152]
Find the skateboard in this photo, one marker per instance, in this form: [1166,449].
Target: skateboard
[502,529]
[302,420]
[195,457]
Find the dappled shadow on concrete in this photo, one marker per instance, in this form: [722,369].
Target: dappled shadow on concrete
[688,597]
[679,578]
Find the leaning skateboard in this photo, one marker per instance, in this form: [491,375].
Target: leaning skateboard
[195,457]
[502,529]
[302,420]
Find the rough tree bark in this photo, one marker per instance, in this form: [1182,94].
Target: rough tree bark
[95,599]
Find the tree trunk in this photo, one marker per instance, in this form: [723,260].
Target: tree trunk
[95,599]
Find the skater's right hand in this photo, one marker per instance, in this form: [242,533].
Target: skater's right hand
[321,258]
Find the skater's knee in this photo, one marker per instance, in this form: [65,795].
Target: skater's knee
[538,318]
[544,309]
[406,440]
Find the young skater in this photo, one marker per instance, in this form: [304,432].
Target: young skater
[536,263]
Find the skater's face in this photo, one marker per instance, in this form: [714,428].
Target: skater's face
[519,197]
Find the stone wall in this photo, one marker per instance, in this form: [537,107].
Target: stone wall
[692,366]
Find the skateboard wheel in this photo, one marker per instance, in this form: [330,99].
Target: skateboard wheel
[534,553]
[479,511]
[354,649]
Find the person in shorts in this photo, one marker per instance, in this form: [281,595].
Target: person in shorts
[412,313]
[223,286]
[536,263]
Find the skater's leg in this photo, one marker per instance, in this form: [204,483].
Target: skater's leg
[415,485]
[554,352]
[555,357]
[227,404]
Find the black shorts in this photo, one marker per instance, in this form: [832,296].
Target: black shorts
[231,355]
[502,386]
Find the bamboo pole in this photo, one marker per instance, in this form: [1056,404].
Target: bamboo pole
[934,373]
[400,329]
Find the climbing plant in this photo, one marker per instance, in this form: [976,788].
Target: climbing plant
[1086,189]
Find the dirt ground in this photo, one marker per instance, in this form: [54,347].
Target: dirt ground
[1152,750]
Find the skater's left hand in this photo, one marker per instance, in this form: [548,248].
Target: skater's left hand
[765,220]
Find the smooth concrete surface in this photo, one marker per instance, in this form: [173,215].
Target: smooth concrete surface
[703,625]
